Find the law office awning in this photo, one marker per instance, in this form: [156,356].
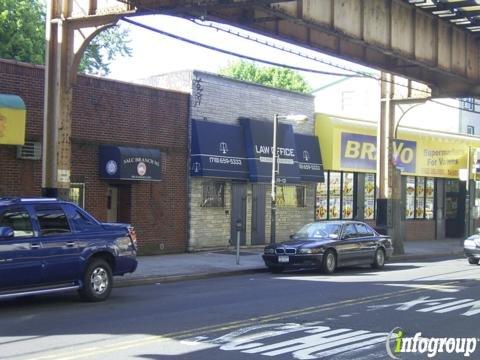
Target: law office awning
[12,120]
[129,163]
[259,146]
[218,151]
[309,158]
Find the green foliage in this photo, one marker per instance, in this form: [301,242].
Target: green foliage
[22,30]
[269,76]
[22,38]
[107,45]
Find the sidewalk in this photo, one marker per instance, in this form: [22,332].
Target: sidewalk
[187,266]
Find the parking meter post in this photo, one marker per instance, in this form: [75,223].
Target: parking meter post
[239,230]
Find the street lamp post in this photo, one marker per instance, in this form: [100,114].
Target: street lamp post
[298,119]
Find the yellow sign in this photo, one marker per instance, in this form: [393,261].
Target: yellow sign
[351,145]
[12,120]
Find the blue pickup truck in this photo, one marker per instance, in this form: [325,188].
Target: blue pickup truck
[49,245]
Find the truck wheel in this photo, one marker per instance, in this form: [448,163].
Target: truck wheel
[97,281]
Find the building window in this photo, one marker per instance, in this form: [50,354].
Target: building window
[369,197]
[335,197]
[77,194]
[213,194]
[470,130]
[290,196]
[467,104]
[420,198]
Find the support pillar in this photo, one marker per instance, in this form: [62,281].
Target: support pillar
[67,36]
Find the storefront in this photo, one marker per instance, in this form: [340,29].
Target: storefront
[433,197]
[231,169]
[129,159]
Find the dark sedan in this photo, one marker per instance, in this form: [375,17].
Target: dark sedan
[328,245]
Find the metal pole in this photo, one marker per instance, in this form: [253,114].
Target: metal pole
[273,190]
[238,247]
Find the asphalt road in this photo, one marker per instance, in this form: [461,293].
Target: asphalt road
[296,315]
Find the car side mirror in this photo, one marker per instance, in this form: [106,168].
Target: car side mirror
[333,236]
[292,236]
[6,232]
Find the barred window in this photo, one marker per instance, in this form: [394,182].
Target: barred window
[290,195]
[213,194]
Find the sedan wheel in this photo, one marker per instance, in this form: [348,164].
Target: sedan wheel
[329,262]
[379,260]
[473,261]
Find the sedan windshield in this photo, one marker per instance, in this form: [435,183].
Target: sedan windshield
[319,230]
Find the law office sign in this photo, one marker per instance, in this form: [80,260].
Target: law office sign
[259,149]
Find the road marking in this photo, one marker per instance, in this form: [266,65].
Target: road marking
[126,344]
[435,287]
[439,306]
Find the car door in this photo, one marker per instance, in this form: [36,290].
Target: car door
[367,242]
[348,247]
[20,258]
[59,245]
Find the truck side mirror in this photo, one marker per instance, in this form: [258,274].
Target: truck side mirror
[6,232]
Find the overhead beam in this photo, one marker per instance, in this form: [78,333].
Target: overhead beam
[390,35]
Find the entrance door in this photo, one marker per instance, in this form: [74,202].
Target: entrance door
[112,204]
[454,208]
[258,214]
[239,211]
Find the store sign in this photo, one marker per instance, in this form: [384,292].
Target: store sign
[309,158]
[259,149]
[12,120]
[218,151]
[126,163]
[359,152]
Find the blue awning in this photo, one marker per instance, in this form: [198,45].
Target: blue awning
[309,158]
[128,163]
[218,151]
[258,146]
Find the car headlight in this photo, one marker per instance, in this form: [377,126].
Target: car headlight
[269,251]
[310,251]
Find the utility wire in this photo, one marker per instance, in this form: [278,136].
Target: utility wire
[360,74]
[232,53]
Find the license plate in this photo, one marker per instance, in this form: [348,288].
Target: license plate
[283,259]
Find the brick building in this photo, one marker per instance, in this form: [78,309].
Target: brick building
[130,119]
[226,116]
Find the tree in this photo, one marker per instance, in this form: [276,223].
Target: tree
[22,38]
[270,76]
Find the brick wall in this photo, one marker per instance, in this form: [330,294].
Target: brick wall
[116,113]
[420,230]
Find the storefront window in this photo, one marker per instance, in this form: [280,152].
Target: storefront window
[213,194]
[335,197]
[369,209]
[77,194]
[419,198]
[290,196]
[347,201]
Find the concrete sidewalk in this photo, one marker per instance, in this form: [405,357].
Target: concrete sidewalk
[176,267]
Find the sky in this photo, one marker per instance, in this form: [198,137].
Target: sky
[155,54]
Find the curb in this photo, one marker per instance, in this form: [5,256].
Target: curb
[156,279]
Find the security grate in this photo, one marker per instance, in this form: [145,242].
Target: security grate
[31,150]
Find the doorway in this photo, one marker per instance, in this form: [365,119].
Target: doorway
[119,203]
[259,192]
[239,211]
[454,208]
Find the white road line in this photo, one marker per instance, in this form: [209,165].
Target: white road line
[352,347]
[444,305]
